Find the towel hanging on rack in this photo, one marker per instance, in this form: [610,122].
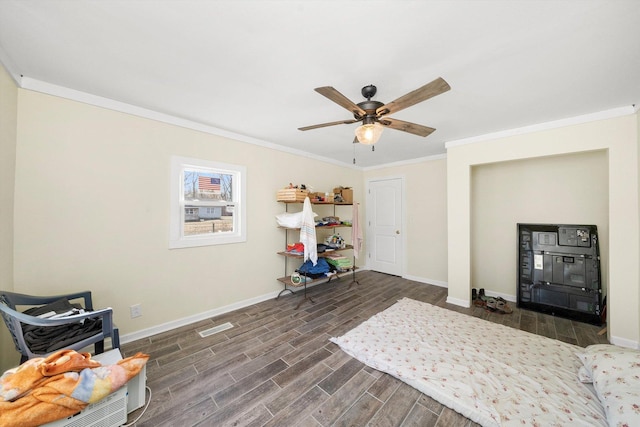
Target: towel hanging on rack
[356,232]
[308,233]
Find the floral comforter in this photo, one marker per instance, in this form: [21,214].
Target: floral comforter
[490,373]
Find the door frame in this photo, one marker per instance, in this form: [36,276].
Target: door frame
[403,218]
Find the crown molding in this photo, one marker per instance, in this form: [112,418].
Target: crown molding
[87,98]
[406,162]
[110,104]
[586,118]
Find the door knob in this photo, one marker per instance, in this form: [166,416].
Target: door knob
[397,231]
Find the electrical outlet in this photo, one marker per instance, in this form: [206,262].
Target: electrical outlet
[136,310]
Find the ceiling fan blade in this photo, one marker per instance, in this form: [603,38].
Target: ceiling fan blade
[423,93]
[322,125]
[341,100]
[406,126]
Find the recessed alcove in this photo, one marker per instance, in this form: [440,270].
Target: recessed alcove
[562,189]
[613,132]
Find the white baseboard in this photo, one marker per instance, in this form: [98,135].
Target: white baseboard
[427,281]
[512,298]
[508,297]
[459,302]
[164,327]
[623,342]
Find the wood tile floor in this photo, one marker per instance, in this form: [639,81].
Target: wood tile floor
[276,367]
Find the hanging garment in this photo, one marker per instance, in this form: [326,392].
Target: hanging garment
[356,232]
[308,232]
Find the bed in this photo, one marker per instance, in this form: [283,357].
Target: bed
[496,375]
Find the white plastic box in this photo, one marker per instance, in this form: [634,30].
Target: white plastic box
[109,412]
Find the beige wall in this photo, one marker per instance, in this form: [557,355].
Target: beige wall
[564,189]
[92,211]
[425,216]
[619,137]
[8,121]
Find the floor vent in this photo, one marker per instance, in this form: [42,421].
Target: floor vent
[215,330]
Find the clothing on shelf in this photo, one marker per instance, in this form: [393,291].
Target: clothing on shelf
[341,262]
[295,248]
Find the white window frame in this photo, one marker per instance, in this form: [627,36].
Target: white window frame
[177,239]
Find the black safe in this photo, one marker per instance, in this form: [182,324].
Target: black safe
[559,270]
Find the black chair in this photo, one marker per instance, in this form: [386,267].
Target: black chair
[73,331]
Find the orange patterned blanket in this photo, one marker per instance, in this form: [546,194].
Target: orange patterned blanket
[42,390]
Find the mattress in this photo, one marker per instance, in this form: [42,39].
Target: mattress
[490,373]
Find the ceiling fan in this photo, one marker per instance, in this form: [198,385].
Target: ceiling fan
[373,114]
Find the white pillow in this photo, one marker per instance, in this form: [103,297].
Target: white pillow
[291,219]
[616,378]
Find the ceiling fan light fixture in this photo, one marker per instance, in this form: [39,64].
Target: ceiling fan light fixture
[369,133]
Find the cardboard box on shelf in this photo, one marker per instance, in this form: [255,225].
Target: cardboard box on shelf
[320,197]
[345,193]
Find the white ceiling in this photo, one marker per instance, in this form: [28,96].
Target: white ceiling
[250,66]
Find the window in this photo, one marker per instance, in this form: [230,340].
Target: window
[207,203]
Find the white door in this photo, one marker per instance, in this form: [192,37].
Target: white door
[384,226]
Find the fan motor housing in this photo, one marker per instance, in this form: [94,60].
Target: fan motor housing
[370,107]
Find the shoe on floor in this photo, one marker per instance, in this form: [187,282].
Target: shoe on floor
[503,307]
